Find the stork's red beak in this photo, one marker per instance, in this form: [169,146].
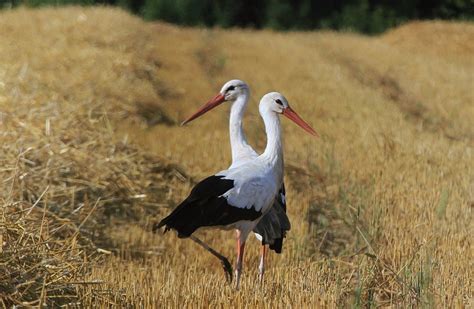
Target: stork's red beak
[218,99]
[292,115]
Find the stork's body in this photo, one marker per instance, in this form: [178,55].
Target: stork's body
[238,198]
[272,228]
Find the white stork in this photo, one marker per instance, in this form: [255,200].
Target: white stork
[237,198]
[272,228]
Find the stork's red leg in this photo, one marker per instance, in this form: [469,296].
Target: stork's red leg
[240,259]
[261,266]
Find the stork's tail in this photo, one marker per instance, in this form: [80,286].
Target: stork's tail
[273,227]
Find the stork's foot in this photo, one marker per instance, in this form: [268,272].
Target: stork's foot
[227,270]
[225,263]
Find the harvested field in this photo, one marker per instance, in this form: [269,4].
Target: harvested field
[91,156]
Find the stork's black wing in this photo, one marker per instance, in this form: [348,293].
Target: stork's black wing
[205,206]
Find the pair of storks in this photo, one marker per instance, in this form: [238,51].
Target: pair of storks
[250,194]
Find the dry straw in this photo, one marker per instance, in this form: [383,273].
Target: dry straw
[64,180]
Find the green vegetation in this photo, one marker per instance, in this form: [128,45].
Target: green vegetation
[355,15]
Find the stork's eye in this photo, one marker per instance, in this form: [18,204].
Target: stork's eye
[231,88]
[279,102]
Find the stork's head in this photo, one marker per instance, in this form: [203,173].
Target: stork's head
[233,89]
[229,93]
[275,102]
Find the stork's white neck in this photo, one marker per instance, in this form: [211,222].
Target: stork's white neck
[238,142]
[273,153]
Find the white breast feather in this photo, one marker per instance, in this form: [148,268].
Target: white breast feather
[254,186]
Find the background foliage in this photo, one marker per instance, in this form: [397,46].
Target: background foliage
[367,16]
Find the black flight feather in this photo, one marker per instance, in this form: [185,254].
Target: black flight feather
[273,226]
